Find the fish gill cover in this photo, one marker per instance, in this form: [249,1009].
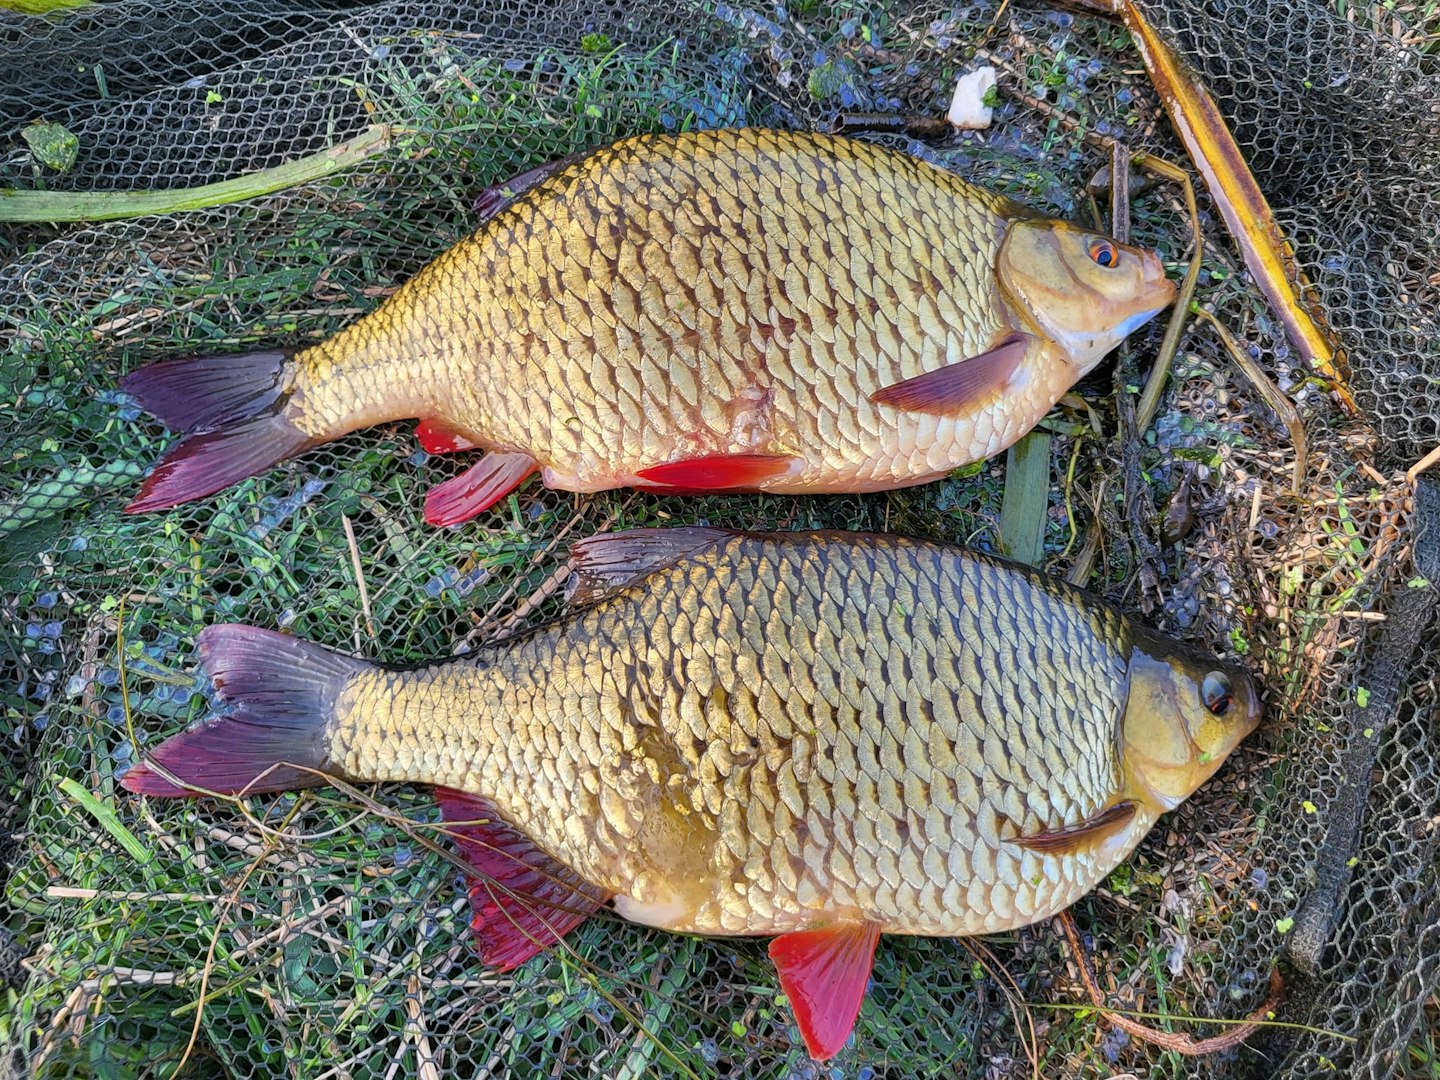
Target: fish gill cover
[312,935]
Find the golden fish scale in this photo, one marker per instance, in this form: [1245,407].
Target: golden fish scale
[775,730]
[718,292]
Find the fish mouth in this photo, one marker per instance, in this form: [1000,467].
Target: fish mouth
[1128,326]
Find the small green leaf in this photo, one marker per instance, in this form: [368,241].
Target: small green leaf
[1362,697]
[737,1029]
[1417,583]
[1353,862]
[1285,925]
[53,145]
[1369,733]
[212,97]
[1308,806]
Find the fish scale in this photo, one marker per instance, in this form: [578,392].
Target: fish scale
[540,363]
[664,680]
[794,312]
[820,736]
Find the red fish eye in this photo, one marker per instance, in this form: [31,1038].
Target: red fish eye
[1215,693]
[1104,253]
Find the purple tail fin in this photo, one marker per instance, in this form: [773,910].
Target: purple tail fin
[231,407]
[204,392]
[285,690]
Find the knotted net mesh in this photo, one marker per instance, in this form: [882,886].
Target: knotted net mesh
[323,934]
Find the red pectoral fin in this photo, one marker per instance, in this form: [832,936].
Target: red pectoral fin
[438,437]
[957,388]
[719,472]
[823,973]
[1083,834]
[478,488]
[521,900]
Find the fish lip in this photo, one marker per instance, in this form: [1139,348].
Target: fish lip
[1130,324]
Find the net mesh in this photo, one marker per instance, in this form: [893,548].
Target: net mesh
[320,934]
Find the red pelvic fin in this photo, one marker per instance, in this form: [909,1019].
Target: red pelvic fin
[438,437]
[719,472]
[824,972]
[607,562]
[957,388]
[285,690]
[478,488]
[521,900]
[1084,834]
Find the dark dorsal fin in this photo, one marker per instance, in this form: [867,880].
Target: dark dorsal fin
[522,901]
[1083,834]
[497,197]
[959,387]
[606,563]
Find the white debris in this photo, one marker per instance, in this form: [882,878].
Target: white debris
[967,108]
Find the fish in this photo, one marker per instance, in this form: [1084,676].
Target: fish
[714,311]
[815,737]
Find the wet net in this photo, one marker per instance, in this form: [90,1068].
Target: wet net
[319,935]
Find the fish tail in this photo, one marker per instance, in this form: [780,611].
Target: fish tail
[284,693]
[232,410]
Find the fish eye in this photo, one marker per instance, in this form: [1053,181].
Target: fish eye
[1215,693]
[1104,253]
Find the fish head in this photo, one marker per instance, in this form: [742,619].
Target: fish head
[1184,712]
[1081,290]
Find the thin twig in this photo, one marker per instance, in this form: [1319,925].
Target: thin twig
[1169,1040]
[359,574]
[1269,391]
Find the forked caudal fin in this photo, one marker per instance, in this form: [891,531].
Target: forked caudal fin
[284,690]
[231,409]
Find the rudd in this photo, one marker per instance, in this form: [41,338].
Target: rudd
[819,737]
[713,311]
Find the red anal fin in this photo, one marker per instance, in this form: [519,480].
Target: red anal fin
[522,901]
[478,488]
[438,437]
[1084,834]
[957,388]
[824,973]
[607,562]
[718,472]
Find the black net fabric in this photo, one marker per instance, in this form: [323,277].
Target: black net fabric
[318,934]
